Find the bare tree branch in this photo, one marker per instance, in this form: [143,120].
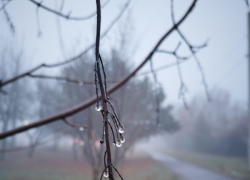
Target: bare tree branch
[247,3]
[117,171]
[4,5]
[39,33]
[161,68]
[91,101]
[79,127]
[59,30]
[102,85]
[192,50]
[157,98]
[67,79]
[174,53]
[27,73]
[68,17]
[183,88]
[7,17]
[42,142]
[81,82]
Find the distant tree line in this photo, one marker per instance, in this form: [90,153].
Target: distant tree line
[217,127]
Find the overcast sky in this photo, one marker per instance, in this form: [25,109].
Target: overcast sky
[223,22]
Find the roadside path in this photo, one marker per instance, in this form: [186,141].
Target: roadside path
[185,170]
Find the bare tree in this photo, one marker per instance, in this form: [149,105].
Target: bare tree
[111,128]
[138,120]
[218,127]
[14,99]
[89,102]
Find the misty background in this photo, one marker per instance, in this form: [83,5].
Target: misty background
[205,131]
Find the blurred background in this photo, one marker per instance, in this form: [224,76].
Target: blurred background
[182,120]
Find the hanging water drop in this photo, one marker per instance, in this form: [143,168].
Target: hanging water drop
[80,83]
[106,174]
[122,139]
[81,128]
[121,128]
[118,143]
[98,107]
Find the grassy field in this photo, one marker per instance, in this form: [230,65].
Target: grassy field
[44,166]
[230,166]
[61,166]
[148,170]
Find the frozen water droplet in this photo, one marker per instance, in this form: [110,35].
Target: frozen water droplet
[122,139]
[98,107]
[81,83]
[26,122]
[118,143]
[81,128]
[121,128]
[106,174]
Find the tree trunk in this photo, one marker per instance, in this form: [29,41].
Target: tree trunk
[4,142]
[31,150]
[13,138]
[56,145]
[3,147]
[95,173]
[74,150]
[33,146]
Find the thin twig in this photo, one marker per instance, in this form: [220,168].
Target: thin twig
[115,124]
[77,126]
[157,110]
[183,88]
[81,82]
[113,109]
[39,34]
[104,110]
[59,29]
[67,79]
[104,159]
[105,77]
[192,50]
[112,132]
[8,19]
[68,17]
[114,119]
[247,3]
[174,54]
[4,5]
[117,171]
[13,79]
[91,101]
[42,142]
[103,132]
[103,172]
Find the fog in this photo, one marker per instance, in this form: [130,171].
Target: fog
[187,105]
